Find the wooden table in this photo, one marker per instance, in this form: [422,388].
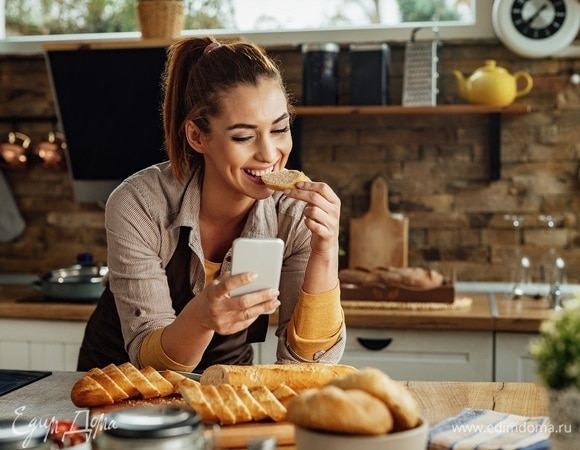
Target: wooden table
[49,398]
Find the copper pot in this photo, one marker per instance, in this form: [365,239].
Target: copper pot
[51,151]
[14,151]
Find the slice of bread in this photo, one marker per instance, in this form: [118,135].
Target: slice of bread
[191,392]
[121,379]
[145,387]
[108,384]
[256,410]
[283,179]
[234,403]
[164,387]
[284,394]
[269,402]
[224,414]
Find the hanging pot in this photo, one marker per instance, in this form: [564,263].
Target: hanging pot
[83,282]
[13,151]
[51,151]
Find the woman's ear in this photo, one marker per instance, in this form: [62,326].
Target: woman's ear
[194,136]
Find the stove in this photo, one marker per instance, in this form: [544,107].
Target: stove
[10,380]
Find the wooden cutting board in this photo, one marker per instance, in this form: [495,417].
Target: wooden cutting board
[230,436]
[379,238]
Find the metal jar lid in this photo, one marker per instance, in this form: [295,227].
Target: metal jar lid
[18,436]
[150,422]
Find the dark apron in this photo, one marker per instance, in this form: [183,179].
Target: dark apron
[103,341]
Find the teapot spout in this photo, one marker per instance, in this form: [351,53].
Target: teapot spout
[461,84]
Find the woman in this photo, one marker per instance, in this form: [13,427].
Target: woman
[171,226]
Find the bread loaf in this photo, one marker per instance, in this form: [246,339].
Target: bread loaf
[392,393]
[298,376]
[230,405]
[335,407]
[283,179]
[113,384]
[350,411]
[415,277]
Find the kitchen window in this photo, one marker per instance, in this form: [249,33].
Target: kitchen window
[26,24]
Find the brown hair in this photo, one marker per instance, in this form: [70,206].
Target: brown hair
[195,80]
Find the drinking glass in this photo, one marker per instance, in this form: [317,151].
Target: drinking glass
[520,264]
[552,267]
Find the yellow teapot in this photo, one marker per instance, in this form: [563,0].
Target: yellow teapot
[492,86]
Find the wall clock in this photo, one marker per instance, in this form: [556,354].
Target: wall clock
[536,28]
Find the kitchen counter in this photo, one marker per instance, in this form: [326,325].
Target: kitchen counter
[49,398]
[487,312]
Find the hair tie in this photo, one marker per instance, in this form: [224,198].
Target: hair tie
[210,47]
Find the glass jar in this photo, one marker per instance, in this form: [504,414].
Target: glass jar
[15,436]
[159,427]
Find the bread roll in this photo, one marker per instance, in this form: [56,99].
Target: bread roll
[298,376]
[418,277]
[283,179]
[350,411]
[393,394]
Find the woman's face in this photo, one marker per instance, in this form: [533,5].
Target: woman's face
[251,137]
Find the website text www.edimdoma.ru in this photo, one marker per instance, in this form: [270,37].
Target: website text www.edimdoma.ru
[530,428]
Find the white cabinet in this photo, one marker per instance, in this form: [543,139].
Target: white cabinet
[40,344]
[421,355]
[512,359]
[414,355]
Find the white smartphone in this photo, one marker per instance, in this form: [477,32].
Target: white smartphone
[262,256]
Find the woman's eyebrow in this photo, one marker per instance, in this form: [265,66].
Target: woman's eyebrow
[252,127]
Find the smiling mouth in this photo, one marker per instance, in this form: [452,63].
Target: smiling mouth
[257,174]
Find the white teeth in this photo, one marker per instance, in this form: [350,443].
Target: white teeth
[259,173]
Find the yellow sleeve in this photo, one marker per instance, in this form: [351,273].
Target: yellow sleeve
[151,354]
[316,323]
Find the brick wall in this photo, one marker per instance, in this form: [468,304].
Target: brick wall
[436,168]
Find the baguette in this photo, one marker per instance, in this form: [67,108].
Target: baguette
[114,384]
[283,179]
[298,376]
[230,405]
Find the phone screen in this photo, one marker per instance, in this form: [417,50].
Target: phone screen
[261,256]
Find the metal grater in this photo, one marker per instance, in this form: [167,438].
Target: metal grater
[420,76]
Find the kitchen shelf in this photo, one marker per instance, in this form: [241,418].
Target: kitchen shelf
[413,110]
[494,113]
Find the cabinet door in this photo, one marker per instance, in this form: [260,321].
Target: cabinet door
[418,355]
[512,359]
[39,344]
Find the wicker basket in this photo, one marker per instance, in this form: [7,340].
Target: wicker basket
[161,19]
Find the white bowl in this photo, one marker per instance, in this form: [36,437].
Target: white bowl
[415,439]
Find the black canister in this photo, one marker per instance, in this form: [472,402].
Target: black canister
[320,81]
[160,427]
[369,74]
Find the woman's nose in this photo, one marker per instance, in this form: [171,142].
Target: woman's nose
[267,150]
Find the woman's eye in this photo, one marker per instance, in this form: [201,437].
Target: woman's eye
[282,130]
[241,138]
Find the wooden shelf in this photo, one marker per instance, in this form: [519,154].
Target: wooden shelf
[413,110]
[494,113]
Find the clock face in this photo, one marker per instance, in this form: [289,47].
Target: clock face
[536,28]
[538,19]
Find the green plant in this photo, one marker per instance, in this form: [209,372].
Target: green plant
[557,350]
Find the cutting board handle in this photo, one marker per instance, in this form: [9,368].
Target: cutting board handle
[379,201]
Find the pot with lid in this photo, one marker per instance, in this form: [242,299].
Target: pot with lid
[81,282]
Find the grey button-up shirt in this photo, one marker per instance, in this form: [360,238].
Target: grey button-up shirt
[143,217]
